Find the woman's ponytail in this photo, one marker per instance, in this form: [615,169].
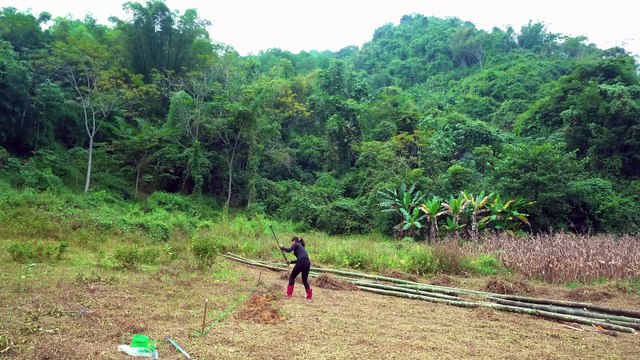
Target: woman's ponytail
[298,240]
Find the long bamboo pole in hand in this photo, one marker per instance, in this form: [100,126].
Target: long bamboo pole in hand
[277,243]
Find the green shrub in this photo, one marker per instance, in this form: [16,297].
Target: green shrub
[156,230]
[128,257]
[358,258]
[205,250]
[169,202]
[38,251]
[272,195]
[305,206]
[156,226]
[101,197]
[193,206]
[421,261]
[149,255]
[344,216]
[484,264]
[40,180]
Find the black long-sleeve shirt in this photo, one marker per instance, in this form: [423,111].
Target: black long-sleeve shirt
[298,250]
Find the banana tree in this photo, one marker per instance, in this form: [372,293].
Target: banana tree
[506,216]
[478,205]
[433,209]
[454,209]
[404,201]
[411,222]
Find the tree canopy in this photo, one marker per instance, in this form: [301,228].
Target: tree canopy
[153,103]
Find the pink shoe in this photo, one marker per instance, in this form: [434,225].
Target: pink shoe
[289,290]
[309,293]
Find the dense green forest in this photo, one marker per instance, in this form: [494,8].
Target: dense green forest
[432,116]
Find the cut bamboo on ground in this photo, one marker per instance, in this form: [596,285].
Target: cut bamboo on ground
[520,310]
[607,318]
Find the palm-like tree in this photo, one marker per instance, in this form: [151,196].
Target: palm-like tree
[454,208]
[433,209]
[478,205]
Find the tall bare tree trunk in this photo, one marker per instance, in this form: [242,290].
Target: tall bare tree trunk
[89,163]
[233,154]
[135,196]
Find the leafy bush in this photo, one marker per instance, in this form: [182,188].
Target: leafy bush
[194,206]
[459,177]
[149,255]
[37,251]
[344,216]
[169,202]
[358,258]
[484,264]
[205,250]
[598,208]
[305,206]
[421,261]
[40,180]
[128,257]
[157,226]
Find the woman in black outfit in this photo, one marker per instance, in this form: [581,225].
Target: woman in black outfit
[303,265]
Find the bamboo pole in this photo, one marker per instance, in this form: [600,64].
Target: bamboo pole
[597,308]
[445,290]
[528,311]
[278,243]
[204,317]
[461,303]
[635,315]
[618,320]
[249,262]
[340,272]
[407,291]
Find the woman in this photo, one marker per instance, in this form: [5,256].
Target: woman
[303,265]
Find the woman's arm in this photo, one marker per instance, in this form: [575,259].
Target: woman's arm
[288,249]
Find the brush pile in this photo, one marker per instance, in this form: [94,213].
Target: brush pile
[621,320]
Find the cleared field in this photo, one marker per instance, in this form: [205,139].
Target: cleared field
[63,312]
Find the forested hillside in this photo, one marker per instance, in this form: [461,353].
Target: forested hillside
[548,125]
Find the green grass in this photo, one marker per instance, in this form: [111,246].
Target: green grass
[101,230]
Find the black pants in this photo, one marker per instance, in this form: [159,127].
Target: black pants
[302,266]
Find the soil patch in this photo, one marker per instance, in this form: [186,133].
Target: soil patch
[586,294]
[399,275]
[262,308]
[52,347]
[500,286]
[442,280]
[328,282]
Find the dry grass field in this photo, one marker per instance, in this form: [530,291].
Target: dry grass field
[64,312]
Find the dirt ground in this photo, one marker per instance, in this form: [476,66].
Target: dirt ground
[58,313]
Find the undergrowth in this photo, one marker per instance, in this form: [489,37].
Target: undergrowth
[105,231]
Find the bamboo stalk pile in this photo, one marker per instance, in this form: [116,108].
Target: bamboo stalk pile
[621,320]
